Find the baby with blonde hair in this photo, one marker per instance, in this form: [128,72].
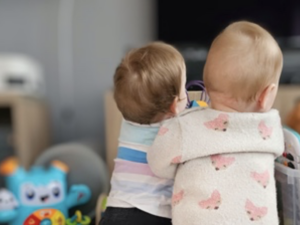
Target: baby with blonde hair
[222,157]
[243,66]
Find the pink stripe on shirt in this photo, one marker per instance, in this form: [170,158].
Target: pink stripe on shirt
[122,166]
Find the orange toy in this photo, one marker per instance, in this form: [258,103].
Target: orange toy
[293,118]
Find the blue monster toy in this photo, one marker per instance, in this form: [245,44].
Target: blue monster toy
[38,196]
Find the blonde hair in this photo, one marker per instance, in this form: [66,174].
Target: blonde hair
[147,81]
[242,61]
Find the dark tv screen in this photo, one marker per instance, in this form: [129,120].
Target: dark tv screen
[192,21]
[191,26]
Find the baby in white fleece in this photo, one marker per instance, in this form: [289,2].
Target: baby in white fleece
[222,157]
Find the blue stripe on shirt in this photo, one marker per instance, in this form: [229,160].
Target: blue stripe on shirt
[132,155]
[140,134]
[138,188]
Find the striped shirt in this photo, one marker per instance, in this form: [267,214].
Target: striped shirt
[133,185]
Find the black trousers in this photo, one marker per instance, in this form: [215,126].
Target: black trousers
[131,216]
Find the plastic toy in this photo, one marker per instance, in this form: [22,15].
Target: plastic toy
[198,104]
[21,74]
[204,98]
[41,196]
[46,217]
[101,207]
[78,219]
[76,156]
[7,200]
[291,155]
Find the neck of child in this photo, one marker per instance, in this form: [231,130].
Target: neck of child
[227,104]
[222,107]
[161,117]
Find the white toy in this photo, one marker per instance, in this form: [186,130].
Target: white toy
[7,200]
[20,74]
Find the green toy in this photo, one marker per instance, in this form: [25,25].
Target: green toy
[78,219]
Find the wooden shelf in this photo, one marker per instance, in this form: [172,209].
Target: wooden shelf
[30,126]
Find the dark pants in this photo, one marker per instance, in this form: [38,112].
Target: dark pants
[131,216]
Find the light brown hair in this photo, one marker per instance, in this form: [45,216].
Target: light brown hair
[147,81]
[242,61]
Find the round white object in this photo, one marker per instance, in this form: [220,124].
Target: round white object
[7,200]
[21,74]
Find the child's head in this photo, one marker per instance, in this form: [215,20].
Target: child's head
[243,68]
[149,83]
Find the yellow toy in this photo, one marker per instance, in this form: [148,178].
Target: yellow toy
[78,219]
[46,216]
[198,104]
[202,103]
[204,98]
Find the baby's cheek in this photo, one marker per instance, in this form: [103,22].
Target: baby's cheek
[181,105]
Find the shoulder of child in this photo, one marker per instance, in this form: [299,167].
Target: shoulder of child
[191,112]
[187,114]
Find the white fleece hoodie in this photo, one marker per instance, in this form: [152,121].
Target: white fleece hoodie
[223,165]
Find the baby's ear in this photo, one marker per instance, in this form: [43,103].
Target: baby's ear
[173,107]
[267,97]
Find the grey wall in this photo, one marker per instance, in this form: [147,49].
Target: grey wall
[79,63]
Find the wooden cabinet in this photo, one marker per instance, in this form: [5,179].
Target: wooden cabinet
[26,123]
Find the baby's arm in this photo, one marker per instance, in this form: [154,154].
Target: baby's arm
[166,152]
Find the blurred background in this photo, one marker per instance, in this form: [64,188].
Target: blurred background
[57,59]
[79,43]
[192,27]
